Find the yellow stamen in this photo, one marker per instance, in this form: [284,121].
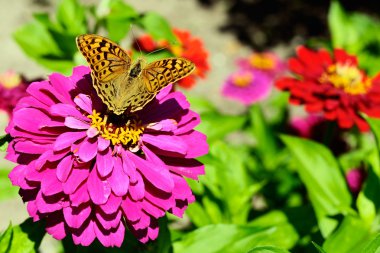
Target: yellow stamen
[347,77]
[129,134]
[262,61]
[242,80]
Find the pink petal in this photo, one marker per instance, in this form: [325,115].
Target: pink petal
[143,222]
[137,189]
[108,221]
[110,238]
[92,132]
[131,209]
[77,176]
[65,110]
[152,209]
[163,201]
[31,147]
[50,184]
[66,139]
[87,150]
[84,102]
[103,144]
[55,226]
[64,168]
[166,142]
[157,175]
[80,196]
[85,237]
[50,206]
[30,119]
[190,168]
[76,216]
[41,91]
[75,123]
[98,189]
[105,162]
[60,85]
[153,230]
[129,167]
[112,204]
[119,180]
[197,145]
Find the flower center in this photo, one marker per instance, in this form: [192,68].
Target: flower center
[348,78]
[262,61]
[127,134]
[10,79]
[242,80]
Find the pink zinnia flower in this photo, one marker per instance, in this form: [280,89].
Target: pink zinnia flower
[12,88]
[90,174]
[267,62]
[247,86]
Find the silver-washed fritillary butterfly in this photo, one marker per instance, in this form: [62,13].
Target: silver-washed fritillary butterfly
[124,85]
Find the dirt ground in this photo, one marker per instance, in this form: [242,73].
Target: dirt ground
[202,22]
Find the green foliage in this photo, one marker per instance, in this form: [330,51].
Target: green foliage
[320,173]
[267,249]
[226,169]
[223,238]
[4,140]
[24,238]
[51,41]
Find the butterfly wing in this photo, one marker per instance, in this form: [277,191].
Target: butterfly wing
[154,77]
[161,73]
[109,64]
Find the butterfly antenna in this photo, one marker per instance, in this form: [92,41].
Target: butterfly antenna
[135,38]
[157,50]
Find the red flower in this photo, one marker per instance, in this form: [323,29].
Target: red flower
[190,48]
[333,85]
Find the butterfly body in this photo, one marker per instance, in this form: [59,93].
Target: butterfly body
[123,85]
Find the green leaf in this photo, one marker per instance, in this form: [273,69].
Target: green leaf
[24,238]
[158,27]
[319,248]
[198,215]
[163,243]
[235,239]
[216,126]
[373,246]
[375,127]
[323,179]
[7,189]
[71,16]
[36,41]
[267,145]
[350,237]
[268,249]
[120,16]
[4,140]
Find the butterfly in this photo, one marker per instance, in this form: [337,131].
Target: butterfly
[125,85]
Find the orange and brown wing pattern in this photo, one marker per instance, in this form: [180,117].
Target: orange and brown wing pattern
[161,73]
[105,57]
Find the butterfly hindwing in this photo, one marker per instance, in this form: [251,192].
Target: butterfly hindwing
[159,74]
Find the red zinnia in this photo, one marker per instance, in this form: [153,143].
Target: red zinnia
[333,85]
[190,48]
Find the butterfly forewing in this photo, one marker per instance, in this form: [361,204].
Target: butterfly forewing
[105,57]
